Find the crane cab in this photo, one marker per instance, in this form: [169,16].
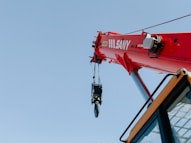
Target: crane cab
[168,118]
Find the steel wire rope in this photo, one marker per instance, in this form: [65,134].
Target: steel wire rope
[99,80]
[94,75]
[149,27]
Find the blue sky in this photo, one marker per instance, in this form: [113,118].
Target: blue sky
[45,75]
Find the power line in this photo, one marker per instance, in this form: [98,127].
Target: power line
[160,24]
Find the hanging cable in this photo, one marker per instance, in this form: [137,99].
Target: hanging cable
[159,24]
[94,75]
[99,80]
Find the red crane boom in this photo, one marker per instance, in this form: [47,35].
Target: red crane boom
[166,52]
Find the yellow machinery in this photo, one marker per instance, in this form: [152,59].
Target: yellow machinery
[168,118]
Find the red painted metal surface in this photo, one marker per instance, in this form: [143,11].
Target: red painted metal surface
[128,51]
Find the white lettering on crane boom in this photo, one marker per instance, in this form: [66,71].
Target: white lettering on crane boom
[119,44]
